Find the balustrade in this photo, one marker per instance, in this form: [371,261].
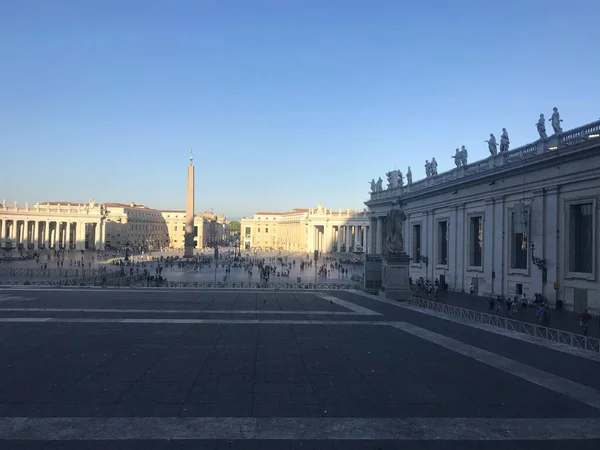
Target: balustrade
[565,139]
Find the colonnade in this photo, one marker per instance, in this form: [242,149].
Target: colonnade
[341,238]
[30,234]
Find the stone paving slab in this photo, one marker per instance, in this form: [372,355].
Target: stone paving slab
[323,368]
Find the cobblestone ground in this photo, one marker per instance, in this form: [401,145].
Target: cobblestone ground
[166,369]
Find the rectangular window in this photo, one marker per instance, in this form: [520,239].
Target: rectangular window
[416,243]
[518,251]
[266,229]
[258,230]
[248,232]
[443,243]
[476,241]
[581,238]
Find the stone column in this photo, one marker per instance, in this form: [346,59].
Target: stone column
[13,231]
[366,239]
[36,234]
[348,238]
[339,238]
[2,232]
[379,236]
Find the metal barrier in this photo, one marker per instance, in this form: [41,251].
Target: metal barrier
[61,272]
[530,329]
[141,281]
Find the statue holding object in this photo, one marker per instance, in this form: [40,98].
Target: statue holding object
[492,145]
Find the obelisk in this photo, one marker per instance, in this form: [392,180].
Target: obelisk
[188,249]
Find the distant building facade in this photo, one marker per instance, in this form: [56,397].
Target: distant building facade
[521,221]
[306,230]
[93,226]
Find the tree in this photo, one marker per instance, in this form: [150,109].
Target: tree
[235,226]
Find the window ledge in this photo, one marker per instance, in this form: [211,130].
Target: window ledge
[442,266]
[524,272]
[580,276]
[475,269]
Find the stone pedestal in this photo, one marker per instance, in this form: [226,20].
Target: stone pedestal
[394,277]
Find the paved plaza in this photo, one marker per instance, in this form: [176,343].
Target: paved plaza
[187,273]
[217,369]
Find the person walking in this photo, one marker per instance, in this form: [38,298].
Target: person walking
[584,321]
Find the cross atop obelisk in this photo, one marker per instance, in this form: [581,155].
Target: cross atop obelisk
[188,249]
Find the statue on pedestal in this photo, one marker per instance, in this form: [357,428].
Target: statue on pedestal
[492,145]
[427,168]
[504,142]
[541,127]
[408,176]
[394,242]
[433,166]
[457,158]
[373,185]
[556,120]
[400,179]
[4,203]
[379,185]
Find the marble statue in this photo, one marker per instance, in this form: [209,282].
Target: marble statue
[373,185]
[394,243]
[408,176]
[504,141]
[492,145]
[15,204]
[379,185]
[433,166]
[392,178]
[541,127]
[400,179]
[26,205]
[457,158]
[556,120]
[460,158]
[427,168]
[4,203]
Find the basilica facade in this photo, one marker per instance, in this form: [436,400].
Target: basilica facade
[520,221]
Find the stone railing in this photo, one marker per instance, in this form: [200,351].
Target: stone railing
[565,139]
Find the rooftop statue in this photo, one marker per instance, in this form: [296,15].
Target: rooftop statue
[408,176]
[504,141]
[541,127]
[379,185]
[433,166]
[427,168]
[457,158]
[556,120]
[392,178]
[492,145]
[373,186]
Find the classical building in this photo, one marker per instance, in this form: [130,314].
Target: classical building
[520,221]
[136,227]
[306,230]
[52,225]
[93,226]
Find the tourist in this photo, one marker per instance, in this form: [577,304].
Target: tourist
[584,321]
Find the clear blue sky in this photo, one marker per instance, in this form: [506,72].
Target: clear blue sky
[286,103]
